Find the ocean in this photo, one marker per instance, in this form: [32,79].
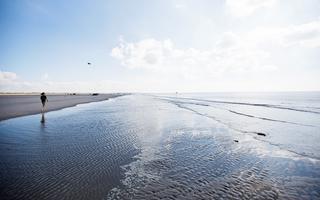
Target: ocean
[167,146]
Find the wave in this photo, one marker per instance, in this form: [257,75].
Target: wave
[244,114]
[220,121]
[256,133]
[268,119]
[248,104]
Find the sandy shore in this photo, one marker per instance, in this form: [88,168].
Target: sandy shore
[143,147]
[20,105]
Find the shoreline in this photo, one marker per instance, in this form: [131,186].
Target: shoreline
[13,106]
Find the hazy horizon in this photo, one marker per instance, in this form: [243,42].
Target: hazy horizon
[160,46]
[197,92]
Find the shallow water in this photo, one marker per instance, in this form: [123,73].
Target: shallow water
[75,154]
[288,120]
[160,147]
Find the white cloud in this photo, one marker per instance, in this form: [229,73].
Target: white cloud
[302,35]
[235,58]
[307,34]
[242,8]
[229,56]
[148,53]
[6,77]
[65,86]
[229,40]
[9,82]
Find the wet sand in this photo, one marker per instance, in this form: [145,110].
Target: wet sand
[140,147]
[20,105]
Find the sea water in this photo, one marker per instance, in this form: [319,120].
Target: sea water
[289,120]
[167,146]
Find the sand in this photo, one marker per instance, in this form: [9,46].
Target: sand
[20,105]
[142,147]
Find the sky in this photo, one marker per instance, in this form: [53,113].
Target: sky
[159,45]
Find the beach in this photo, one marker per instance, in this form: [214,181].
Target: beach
[160,100]
[15,105]
[168,146]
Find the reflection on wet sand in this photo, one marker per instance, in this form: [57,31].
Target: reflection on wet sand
[138,147]
[42,118]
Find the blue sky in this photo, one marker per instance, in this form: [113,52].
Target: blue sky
[159,46]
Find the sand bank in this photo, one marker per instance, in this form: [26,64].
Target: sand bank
[19,105]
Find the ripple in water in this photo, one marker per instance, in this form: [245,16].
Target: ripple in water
[139,147]
[75,154]
[196,158]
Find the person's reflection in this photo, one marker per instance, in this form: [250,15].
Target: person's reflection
[42,118]
[43,132]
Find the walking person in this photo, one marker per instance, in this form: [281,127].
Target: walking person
[44,99]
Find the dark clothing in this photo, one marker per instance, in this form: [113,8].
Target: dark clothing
[43,99]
